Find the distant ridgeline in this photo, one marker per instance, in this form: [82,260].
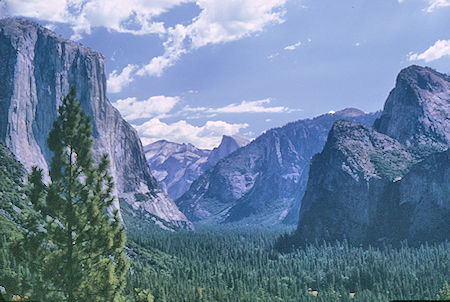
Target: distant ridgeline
[263,182]
[176,166]
[390,182]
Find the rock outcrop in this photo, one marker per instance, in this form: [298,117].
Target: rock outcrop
[37,68]
[417,109]
[263,182]
[176,166]
[228,145]
[388,183]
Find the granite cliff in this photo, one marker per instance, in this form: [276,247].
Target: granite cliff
[37,68]
[388,183]
[263,182]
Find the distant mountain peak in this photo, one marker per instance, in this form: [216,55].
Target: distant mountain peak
[176,165]
[350,112]
[229,144]
[262,182]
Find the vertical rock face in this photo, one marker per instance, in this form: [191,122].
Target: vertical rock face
[37,68]
[228,145]
[345,180]
[389,183]
[424,199]
[263,182]
[416,111]
[176,166]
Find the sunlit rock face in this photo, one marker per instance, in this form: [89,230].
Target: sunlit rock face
[388,183]
[263,182]
[37,69]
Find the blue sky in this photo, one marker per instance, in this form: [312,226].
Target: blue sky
[191,71]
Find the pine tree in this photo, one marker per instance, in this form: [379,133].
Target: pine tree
[74,249]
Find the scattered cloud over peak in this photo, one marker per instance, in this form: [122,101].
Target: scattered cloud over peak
[440,49]
[206,136]
[155,106]
[293,46]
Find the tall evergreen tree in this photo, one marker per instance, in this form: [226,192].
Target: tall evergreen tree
[77,252]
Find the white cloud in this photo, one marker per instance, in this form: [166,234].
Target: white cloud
[272,56]
[174,48]
[207,136]
[133,16]
[132,109]
[251,107]
[293,46]
[434,4]
[117,81]
[440,49]
[222,21]
[219,22]
[258,106]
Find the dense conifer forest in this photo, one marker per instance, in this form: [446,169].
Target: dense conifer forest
[240,263]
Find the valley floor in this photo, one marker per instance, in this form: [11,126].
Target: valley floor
[240,264]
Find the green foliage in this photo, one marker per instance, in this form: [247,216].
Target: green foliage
[240,264]
[73,248]
[444,293]
[12,207]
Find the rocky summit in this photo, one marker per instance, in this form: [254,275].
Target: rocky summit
[388,183]
[37,68]
[176,166]
[263,182]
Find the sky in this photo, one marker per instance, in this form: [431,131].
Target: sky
[191,71]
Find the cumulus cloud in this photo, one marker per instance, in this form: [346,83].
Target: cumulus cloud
[293,46]
[117,81]
[434,4]
[440,49]
[206,136]
[218,22]
[135,17]
[132,109]
[222,21]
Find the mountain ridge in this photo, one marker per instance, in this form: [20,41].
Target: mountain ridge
[265,174]
[387,183]
[176,166]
